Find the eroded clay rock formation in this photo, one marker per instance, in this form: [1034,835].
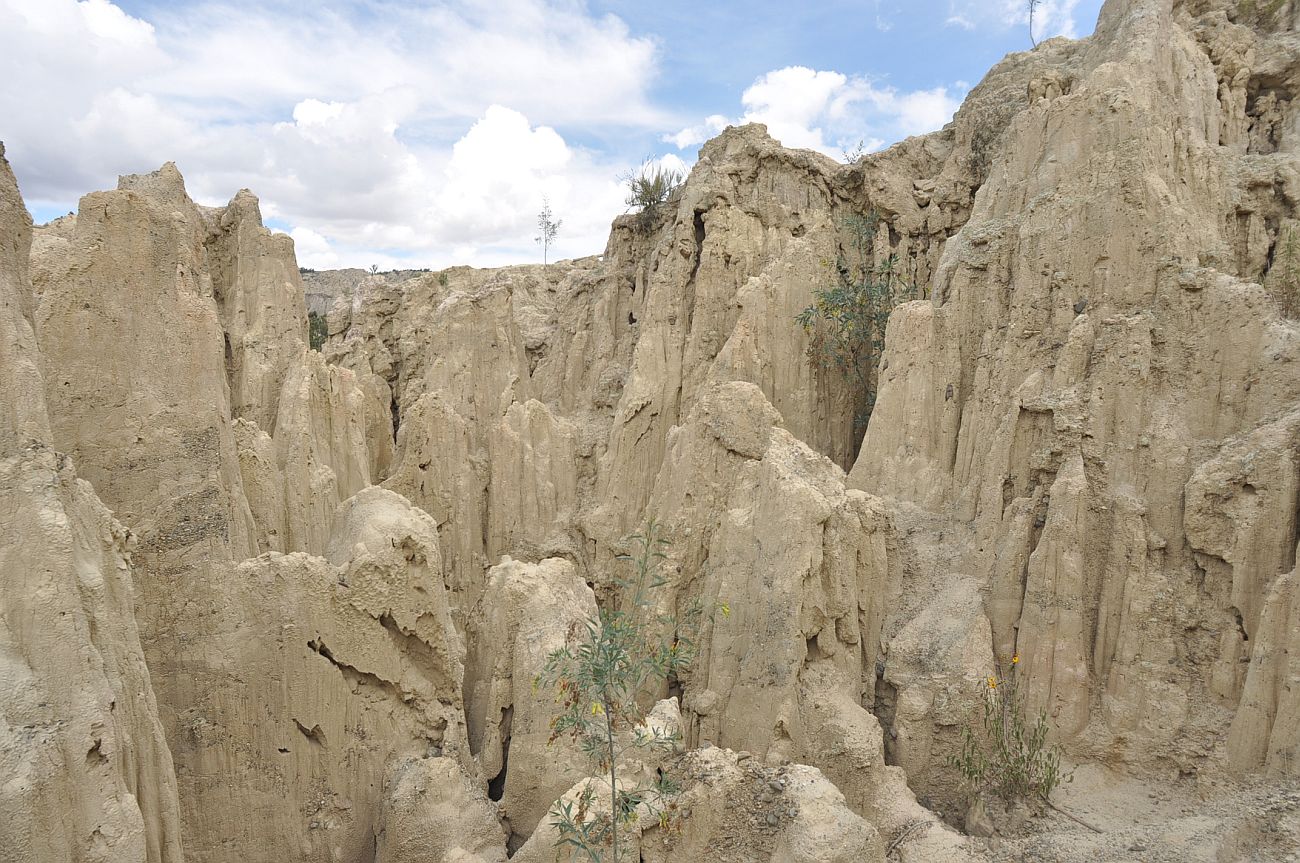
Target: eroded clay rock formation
[345,663]
[1042,456]
[525,612]
[290,682]
[731,809]
[349,566]
[432,811]
[1090,413]
[87,772]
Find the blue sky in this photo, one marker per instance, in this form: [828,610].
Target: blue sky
[428,133]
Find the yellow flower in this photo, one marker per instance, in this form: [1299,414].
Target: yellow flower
[993,683]
[726,610]
[596,709]
[1015,659]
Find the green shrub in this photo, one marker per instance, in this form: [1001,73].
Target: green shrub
[624,653]
[317,331]
[1003,752]
[649,189]
[846,321]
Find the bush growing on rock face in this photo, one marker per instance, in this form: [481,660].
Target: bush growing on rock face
[317,330]
[846,321]
[622,654]
[853,155]
[1003,752]
[1258,9]
[649,189]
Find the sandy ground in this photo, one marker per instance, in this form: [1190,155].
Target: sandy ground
[1138,821]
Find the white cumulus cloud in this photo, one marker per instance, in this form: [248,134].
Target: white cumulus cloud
[699,133]
[476,203]
[831,112]
[1051,17]
[794,101]
[402,134]
[313,250]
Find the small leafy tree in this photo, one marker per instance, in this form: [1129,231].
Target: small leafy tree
[846,321]
[1005,753]
[317,330]
[649,189]
[623,654]
[548,227]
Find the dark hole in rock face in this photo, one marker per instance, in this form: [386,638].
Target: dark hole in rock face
[675,688]
[1241,625]
[497,785]
[885,709]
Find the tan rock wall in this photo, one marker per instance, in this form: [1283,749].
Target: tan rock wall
[1084,452]
[259,295]
[526,611]
[279,754]
[313,676]
[88,774]
[1095,380]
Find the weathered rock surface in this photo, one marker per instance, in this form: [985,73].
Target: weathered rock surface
[1106,420]
[288,683]
[349,566]
[321,288]
[316,674]
[732,809]
[431,812]
[258,291]
[87,774]
[526,612]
